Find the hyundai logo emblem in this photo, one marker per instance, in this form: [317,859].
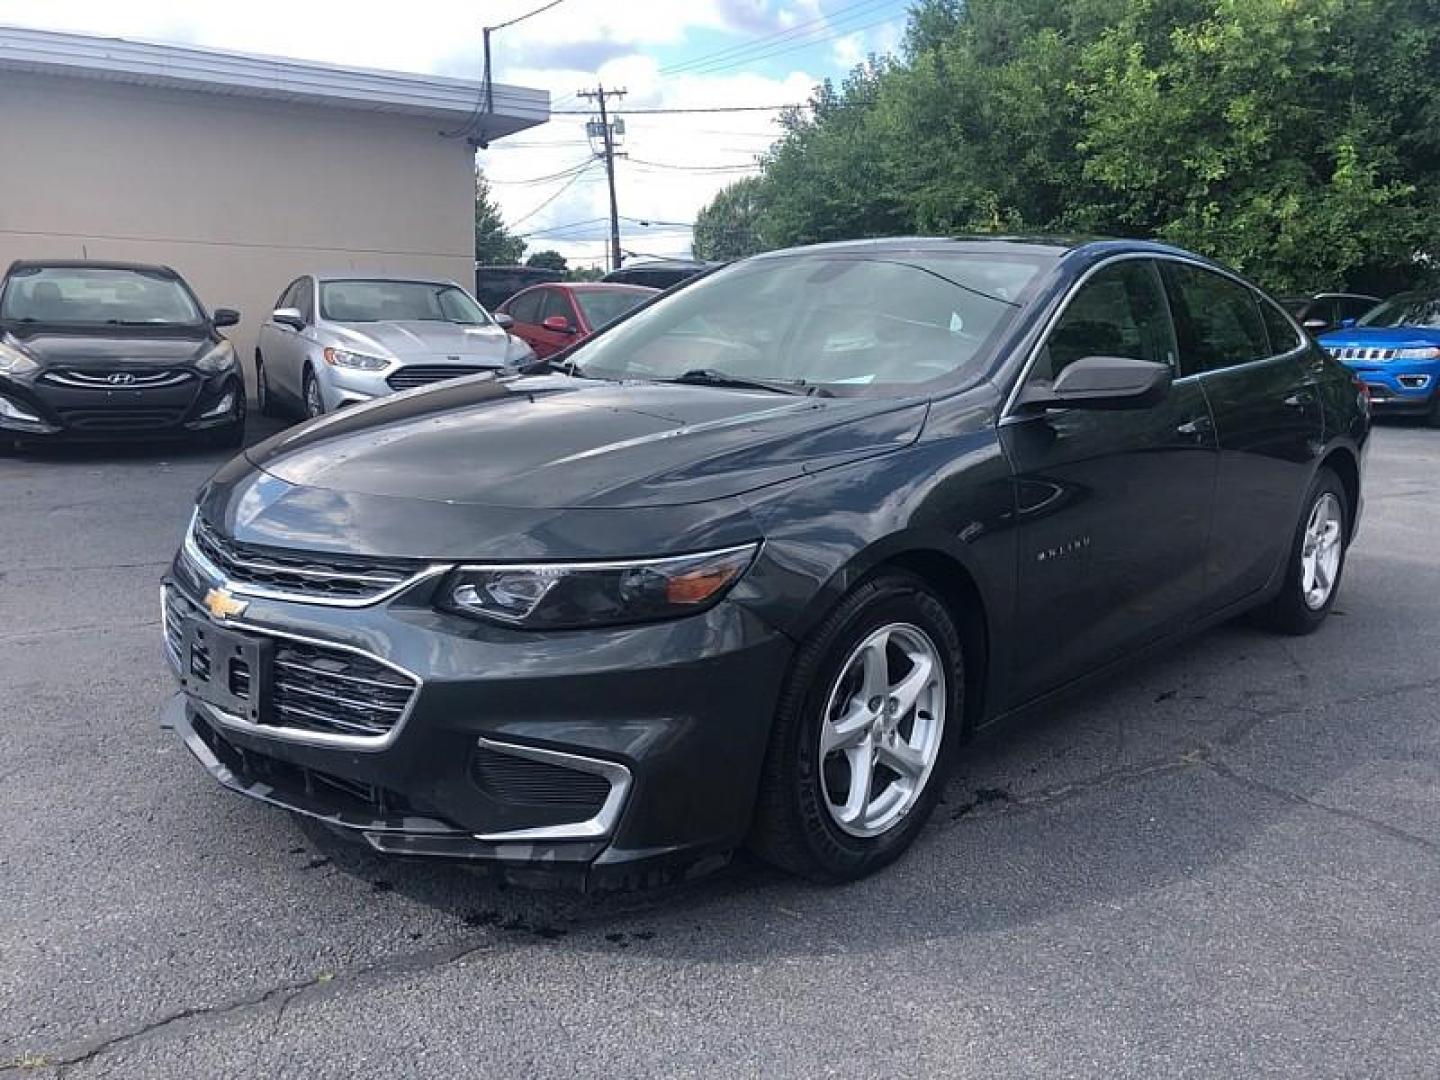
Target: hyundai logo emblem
[120,378]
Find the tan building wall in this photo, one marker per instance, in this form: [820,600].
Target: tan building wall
[239,195]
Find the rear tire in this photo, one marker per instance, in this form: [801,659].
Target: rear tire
[850,679]
[1316,561]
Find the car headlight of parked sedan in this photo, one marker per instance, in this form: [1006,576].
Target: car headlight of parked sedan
[220,358]
[15,361]
[564,596]
[358,361]
[518,352]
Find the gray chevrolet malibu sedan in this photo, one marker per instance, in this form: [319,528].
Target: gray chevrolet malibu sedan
[334,341]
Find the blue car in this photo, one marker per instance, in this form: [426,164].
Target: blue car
[1395,349]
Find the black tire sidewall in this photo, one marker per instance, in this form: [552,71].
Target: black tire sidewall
[1292,613]
[310,381]
[892,598]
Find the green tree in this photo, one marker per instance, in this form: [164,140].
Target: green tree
[547,260]
[1298,140]
[494,245]
[729,227]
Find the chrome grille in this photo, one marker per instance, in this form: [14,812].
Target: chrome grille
[407,378]
[303,574]
[316,688]
[1359,352]
[118,378]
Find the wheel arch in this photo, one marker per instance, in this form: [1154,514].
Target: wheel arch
[1341,460]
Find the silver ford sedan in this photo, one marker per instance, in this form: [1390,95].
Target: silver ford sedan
[334,341]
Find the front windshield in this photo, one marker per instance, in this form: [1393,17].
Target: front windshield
[604,306]
[1412,309]
[367,300]
[881,323]
[85,295]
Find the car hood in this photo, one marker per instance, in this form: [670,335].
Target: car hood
[111,347]
[434,340]
[1387,337]
[560,442]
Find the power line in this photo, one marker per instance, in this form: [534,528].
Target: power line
[802,36]
[528,15]
[567,171]
[607,134]
[673,112]
[560,191]
[486,99]
[732,167]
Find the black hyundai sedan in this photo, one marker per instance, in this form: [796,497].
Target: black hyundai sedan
[106,349]
[746,567]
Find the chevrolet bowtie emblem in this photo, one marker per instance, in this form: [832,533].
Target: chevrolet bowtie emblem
[222,605]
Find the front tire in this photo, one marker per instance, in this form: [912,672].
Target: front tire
[864,733]
[265,403]
[1316,560]
[314,400]
[1433,416]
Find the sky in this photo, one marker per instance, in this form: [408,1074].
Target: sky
[665,53]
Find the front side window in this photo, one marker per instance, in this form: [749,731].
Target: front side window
[556,304]
[1408,309]
[1220,319]
[305,299]
[88,295]
[373,300]
[604,306]
[849,324]
[1120,311]
[525,308]
[1355,307]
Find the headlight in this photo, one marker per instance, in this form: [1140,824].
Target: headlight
[1427,353]
[558,596]
[220,358]
[360,361]
[14,361]
[518,352]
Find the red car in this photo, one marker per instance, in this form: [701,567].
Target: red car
[553,317]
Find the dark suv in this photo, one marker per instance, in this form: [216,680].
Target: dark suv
[103,349]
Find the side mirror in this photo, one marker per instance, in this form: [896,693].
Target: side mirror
[1103,382]
[224,316]
[1346,324]
[559,324]
[288,316]
[1314,325]
[505,322]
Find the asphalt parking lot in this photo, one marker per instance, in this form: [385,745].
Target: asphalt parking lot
[1226,863]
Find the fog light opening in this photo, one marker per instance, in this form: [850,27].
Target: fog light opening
[12,410]
[1414,382]
[225,404]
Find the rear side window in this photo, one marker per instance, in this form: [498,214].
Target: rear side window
[525,308]
[1118,312]
[1218,320]
[1284,338]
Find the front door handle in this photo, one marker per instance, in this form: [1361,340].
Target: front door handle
[1300,399]
[1197,429]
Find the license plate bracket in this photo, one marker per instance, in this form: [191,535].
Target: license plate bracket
[227,669]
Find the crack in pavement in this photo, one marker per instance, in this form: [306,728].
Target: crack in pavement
[1219,768]
[26,636]
[106,1041]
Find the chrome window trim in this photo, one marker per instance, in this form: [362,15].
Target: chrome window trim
[1008,412]
[596,827]
[295,735]
[218,577]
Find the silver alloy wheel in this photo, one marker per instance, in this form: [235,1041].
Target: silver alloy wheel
[314,402]
[884,722]
[1320,551]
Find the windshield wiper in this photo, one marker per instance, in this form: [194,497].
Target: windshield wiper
[714,377]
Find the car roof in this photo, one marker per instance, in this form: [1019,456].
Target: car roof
[341,276]
[597,286]
[88,264]
[1055,246]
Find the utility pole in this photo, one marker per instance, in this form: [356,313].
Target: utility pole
[606,133]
